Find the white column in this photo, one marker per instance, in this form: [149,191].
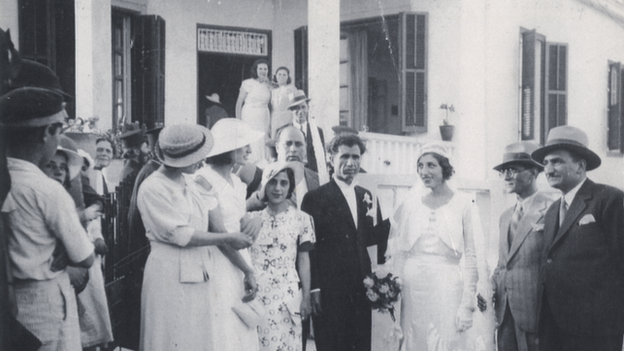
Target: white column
[93,61]
[324,62]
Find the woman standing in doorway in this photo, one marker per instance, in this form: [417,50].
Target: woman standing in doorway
[280,100]
[252,105]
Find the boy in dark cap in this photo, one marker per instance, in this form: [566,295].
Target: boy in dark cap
[46,234]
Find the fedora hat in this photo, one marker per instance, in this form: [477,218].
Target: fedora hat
[181,145]
[571,139]
[133,138]
[274,169]
[214,97]
[297,98]
[74,160]
[519,152]
[231,134]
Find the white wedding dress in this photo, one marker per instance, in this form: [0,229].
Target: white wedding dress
[439,256]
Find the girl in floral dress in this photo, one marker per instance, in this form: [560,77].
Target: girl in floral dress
[280,258]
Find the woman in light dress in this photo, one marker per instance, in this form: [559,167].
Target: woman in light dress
[176,306]
[280,257]
[434,247]
[252,105]
[280,100]
[232,137]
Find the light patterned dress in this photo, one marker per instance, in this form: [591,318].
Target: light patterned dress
[274,255]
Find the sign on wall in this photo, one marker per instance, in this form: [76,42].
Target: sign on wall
[232,42]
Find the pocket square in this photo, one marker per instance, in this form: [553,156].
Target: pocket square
[587,219]
[537,227]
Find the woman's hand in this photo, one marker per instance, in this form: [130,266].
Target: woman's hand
[251,287]
[251,226]
[237,240]
[92,212]
[463,320]
[306,307]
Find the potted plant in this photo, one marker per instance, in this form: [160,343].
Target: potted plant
[446,129]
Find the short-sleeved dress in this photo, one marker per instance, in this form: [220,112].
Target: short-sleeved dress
[274,255]
[255,112]
[175,298]
[280,100]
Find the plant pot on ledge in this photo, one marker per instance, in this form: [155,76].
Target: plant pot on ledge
[446,131]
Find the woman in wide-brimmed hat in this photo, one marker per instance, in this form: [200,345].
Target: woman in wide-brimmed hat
[234,275]
[176,309]
[280,257]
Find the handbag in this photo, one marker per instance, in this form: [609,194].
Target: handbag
[251,313]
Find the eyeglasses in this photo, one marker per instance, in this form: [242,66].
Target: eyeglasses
[509,172]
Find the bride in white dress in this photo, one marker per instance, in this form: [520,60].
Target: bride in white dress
[436,248]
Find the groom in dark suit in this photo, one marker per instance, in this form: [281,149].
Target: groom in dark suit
[581,280]
[344,218]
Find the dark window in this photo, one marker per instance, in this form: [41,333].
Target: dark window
[615,134]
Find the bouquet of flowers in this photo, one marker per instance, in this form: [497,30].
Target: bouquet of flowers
[383,292]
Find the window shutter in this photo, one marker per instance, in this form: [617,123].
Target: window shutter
[148,71]
[615,132]
[301,58]
[413,63]
[556,86]
[36,31]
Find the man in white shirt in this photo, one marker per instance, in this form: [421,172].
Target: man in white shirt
[344,218]
[46,234]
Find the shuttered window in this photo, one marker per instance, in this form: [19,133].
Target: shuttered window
[615,134]
[543,88]
[413,62]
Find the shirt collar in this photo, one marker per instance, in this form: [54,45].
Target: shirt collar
[528,201]
[300,125]
[569,196]
[344,186]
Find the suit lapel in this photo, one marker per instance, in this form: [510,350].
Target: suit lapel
[576,209]
[312,179]
[533,214]
[504,229]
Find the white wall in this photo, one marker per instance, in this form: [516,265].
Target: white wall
[8,19]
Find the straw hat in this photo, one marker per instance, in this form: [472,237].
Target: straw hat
[275,168]
[571,139]
[231,134]
[181,145]
[298,98]
[214,97]
[74,160]
[519,152]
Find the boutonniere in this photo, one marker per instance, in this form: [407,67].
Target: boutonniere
[370,210]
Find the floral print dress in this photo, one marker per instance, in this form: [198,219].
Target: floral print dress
[274,255]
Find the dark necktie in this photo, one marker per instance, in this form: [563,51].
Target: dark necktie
[515,221]
[563,209]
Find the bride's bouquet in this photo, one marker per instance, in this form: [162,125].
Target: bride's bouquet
[383,292]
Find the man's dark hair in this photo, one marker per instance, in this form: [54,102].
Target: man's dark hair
[349,140]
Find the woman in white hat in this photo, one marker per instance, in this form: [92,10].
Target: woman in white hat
[176,308]
[280,257]
[231,147]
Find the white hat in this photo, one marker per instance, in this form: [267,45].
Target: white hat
[87,157]
[231,134]
[74,161]
[214,97]
[181,145]
[434,147]
[274,168]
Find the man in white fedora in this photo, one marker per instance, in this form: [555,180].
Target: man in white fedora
[315,141]
[521,240]
[581,283]
[214,112]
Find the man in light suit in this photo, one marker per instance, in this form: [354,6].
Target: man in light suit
[344,216]
[581,283]
[521,240]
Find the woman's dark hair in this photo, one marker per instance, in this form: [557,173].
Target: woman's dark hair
[287,72]
[291,186]
[220,159]
[254,68]
[67,181]
[447,169]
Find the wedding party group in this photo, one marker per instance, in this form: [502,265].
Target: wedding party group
[257,236]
